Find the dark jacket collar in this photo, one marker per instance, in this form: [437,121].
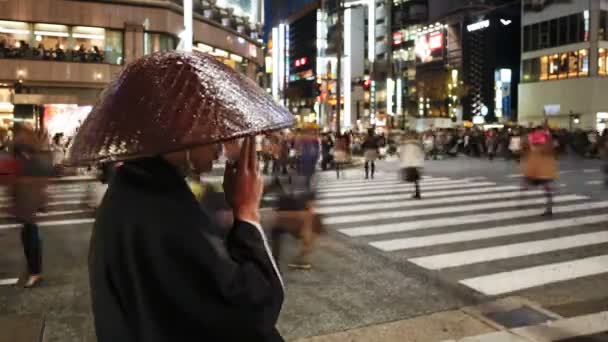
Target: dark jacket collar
[153,173]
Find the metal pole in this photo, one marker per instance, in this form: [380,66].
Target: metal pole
[188,30]
[338,66]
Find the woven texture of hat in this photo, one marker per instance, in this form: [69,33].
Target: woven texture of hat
[169,101]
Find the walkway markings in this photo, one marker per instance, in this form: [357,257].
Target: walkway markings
[486,233]
[505,282]
[447,210]
[401,189]
[473,256]
[469,219]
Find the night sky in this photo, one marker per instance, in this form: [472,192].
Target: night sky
[280,9]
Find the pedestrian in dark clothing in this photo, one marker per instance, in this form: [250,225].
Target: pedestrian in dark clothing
[161,269]
[370,153]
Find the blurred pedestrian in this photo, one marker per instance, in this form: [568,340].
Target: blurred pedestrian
[340,153]
[327,146]
[412,161]
[370,148]
[29,193]
[539,165]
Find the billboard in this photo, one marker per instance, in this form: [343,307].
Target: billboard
[429,46]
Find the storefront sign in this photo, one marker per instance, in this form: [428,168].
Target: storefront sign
[480,25]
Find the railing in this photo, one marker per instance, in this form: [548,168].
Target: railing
[60,55]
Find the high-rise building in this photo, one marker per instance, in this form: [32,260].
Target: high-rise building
[57,55]
[564,63]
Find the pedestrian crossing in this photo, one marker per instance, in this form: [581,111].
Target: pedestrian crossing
[490,238]
[66,205]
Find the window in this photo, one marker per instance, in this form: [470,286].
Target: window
[544,68]
[544,35]
[583,62]
[527,41]
[534,38]
[51,41]
[572,28]
[154,42]
[602,62]
[573,64]
[553,66]
[563,65]
[553,32]
[603,29]
[89,44]
[563,30]
[60,42]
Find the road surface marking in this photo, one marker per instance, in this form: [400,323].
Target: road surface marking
[50,223]
[50,204]
[415,203]
[52,213]
[561,329]
[405,188]
[359,189]
[8,199]
[525,278]
[514,176]
[468,219]
[485,233]
[447,210]
[372,184]
[591,170]
[595,182]
[9,281]
[439,261]
[365,198]
[331,181]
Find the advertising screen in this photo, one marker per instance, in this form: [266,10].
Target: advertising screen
[429,47]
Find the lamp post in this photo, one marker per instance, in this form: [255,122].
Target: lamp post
[188,31]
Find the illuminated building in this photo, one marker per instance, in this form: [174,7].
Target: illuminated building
[564,64]
[57,55]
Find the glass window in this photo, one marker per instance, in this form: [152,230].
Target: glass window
[553,66]
[573,64]
[154,42]
[572,28]
[563,65]
[113,47]
[553,32]
[563,30]
[15,39]
[603,34]
[535,73]
[534,36]
[51,41]
[527,70]
[544,68]
[527,42]
[602,62]
[583,62]
[544,35]
[88,43]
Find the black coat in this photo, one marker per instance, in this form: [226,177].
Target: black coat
[160,270]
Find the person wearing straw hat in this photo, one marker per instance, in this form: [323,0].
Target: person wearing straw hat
[160,268]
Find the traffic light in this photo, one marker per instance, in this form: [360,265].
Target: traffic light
[366,84]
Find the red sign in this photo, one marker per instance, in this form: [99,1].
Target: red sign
[435,41]
[397,38]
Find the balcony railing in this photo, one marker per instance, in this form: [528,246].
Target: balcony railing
[60,55]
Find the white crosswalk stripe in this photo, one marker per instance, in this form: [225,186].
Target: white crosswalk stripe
[464,225]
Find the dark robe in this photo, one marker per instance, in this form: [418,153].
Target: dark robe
[161,271]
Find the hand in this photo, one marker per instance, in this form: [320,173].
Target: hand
[244,185]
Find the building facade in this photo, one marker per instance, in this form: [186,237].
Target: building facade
[564,63]
[57,55]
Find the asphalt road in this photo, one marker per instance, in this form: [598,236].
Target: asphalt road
[471,239]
